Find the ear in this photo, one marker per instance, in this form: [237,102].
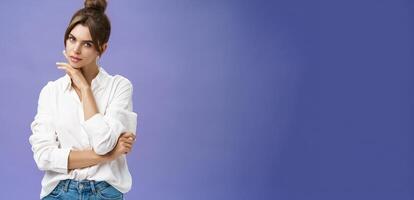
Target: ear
[104,46]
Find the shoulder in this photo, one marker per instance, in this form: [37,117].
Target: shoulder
[117,81]
[121,82]
[53,86]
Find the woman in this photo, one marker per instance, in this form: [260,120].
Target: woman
[84,124]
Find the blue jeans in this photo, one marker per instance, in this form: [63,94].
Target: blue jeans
[84,190]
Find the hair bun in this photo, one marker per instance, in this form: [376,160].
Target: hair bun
[96,4]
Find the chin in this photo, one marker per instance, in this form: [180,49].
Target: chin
[76,65]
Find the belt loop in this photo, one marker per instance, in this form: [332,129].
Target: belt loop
[66,185]
[93,186]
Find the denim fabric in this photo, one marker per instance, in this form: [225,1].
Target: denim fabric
[84,190]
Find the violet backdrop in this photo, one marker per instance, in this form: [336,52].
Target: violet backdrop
[253,100]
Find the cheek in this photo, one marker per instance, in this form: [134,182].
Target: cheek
[70,47]
[89,57]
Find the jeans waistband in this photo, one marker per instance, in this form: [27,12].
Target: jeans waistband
[84,185]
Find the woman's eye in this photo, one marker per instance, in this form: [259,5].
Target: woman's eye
[88,44]
[72,39]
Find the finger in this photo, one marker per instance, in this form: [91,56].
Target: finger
[122,139]
[67,65]
[62,64]
[127,137]
[129,142]
[60,67]
[128,146]
[132,136]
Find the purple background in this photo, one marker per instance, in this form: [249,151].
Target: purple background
[254,100]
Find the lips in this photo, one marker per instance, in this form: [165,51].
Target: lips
[75,59]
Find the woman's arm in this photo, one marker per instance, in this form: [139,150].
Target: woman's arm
[104,129]
[88,100]
[89,104]
[46,152]
[87,158]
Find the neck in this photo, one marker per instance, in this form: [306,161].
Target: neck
[90,72]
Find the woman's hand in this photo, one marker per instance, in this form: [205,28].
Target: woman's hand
[75,74]
[123,146]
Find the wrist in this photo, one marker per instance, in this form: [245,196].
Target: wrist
[101,158]
[85,88]
[108,157]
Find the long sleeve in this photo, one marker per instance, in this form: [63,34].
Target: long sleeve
[45,145]
[104,130]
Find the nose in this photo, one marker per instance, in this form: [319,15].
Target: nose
[77,48]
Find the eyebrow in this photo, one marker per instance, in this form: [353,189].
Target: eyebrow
[70,34]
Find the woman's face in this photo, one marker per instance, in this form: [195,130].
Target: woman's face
[80,50]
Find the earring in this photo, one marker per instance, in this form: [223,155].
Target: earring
[97,60]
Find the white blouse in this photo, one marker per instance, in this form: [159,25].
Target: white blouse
[59,127]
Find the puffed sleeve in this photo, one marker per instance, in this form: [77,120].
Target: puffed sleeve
[104,129]
[45,146]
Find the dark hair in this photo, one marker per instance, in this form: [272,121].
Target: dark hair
[92,16]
